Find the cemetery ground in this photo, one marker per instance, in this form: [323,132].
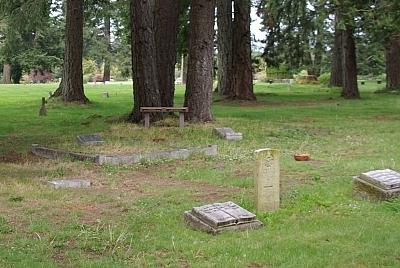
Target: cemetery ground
[132,216]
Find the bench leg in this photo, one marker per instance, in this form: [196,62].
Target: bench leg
[181,120]
[146,120]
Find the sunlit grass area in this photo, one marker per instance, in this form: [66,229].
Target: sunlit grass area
[133,215]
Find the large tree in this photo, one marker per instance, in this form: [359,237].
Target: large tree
[242,85]
[393,63]
[336,79]
[225,42]
[71,86]
[349,63]
[107,39]
[166,30]
[146,88]
[346,10]
[198,96]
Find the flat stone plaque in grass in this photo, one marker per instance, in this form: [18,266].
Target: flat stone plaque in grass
[378,184]
[90,139]
[228,133]
[218,217]
[74,183]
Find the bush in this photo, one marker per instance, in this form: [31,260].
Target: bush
[324,79]
[304,78]
[87,78]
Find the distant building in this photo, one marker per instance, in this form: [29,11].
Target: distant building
[40,76]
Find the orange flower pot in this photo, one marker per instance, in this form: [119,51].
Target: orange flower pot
[301,157]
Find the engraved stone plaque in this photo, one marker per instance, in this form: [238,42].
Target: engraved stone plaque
[228,133]
[386,179]
[378,184]
[218,217]
[74,183]
[91,139]
[267,180]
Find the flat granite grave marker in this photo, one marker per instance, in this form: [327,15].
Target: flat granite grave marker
[91,139]
[218,217]
[267,180]
[74,183]
[378,184]
[228,134]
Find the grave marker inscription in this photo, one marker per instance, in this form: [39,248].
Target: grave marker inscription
[378,184]
[218,217]
[267,180]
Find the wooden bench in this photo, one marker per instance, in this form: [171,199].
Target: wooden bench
[148,110]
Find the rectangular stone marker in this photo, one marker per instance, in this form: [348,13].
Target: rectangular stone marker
[218,217]
[75,183]
[228,134]
[91,139]
[267,180]
[378,184]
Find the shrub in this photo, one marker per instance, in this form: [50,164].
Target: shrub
[324,79]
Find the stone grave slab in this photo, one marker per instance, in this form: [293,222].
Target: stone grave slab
[378,184]
[219,217]
[90,139]
[228,134]
[73,183]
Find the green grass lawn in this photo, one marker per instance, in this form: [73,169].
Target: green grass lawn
[133,215]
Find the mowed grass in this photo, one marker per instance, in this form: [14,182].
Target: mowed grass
[133,215]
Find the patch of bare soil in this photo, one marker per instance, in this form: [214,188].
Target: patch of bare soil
[16,158]
[386,118]
[200,191]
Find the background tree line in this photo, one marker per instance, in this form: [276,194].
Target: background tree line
[149,37]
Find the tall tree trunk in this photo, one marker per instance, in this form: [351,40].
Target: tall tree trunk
[7,74]
[319,51]
[336,79]
[107,37]
[242,70]
[349,62]
[166,31]
[393,63]
[72,88]
[145,89]
[224,38]
[198,96]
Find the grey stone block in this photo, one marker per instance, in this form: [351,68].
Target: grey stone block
[377,184]
[210,150]
[228,134]
[220,217]
[73,183]
[59,154]
[90,139]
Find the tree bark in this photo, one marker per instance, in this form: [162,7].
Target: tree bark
[198,96]
[349,62]
[72,87]
[393,64]
[336,79]
[242,70]
[145,90]
[107,37]
[7,74]
[166,31]
[224,38]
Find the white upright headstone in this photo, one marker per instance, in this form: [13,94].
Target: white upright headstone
[267,180]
